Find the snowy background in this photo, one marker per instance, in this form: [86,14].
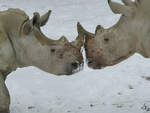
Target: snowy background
[118,89]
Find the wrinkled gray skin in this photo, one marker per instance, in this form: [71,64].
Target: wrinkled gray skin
[129,35]
[23,44]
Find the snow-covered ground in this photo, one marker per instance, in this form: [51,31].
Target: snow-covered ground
[117,89]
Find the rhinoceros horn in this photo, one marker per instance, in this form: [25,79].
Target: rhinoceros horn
[128,2]
[63,39]
[82,32]
[79,39]
[87,34]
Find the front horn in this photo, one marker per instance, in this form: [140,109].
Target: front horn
[79,42]
[83,32]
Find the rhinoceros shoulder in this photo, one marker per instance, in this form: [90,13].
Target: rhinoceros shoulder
[3,35]
[11,21]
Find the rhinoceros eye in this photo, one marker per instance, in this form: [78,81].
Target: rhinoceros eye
[106,39]
[53,50]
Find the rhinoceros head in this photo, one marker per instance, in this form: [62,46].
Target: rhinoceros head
[110,46]
[59,57]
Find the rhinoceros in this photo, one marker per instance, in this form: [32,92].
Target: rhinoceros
[131,34]
[23,44]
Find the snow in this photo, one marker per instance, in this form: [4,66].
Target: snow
[116,89]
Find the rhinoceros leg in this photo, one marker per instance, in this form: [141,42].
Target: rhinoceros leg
[4,96]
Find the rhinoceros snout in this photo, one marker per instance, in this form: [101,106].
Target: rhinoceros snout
[93,64]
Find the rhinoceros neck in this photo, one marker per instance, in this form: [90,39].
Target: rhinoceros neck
[30,52]
[11,21]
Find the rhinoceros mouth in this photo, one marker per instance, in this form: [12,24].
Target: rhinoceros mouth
[73,71]
[94,64]
[80,68]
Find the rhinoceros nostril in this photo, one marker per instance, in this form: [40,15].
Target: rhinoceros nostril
[74,65]
[90,62]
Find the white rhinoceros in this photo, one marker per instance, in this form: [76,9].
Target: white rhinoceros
[129,35]
[23,44]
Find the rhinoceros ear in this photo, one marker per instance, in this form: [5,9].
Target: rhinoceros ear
[128,2]
[44,18]
[99,28]
[120,9]
[35,21]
